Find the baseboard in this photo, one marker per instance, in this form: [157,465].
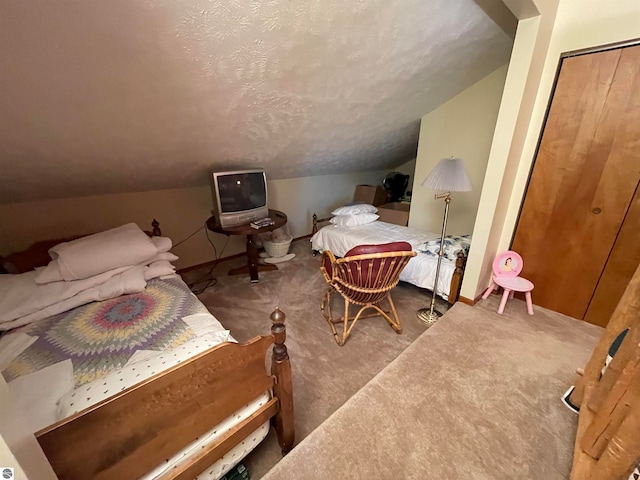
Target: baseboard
[469,301]
[210,262]
[222,259]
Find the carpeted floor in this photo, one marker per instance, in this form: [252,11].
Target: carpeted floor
[325,375]
[476,396]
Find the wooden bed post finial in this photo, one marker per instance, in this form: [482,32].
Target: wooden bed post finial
[156,228]
[279,332]
[283,388]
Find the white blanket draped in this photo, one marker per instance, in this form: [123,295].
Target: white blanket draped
[26,298]
[101,252]
[23,301]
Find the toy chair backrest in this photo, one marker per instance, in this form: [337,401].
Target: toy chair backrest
[507,264]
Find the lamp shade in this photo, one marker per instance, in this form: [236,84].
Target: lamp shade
[448,175]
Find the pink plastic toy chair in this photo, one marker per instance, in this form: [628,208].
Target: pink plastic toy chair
[506,268]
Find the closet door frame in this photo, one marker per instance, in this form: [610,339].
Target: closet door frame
[553,91]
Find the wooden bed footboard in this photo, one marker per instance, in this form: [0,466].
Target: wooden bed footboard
[132,432]
[456,279]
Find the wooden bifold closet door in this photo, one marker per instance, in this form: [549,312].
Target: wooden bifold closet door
[579,228]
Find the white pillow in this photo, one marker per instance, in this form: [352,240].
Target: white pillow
[354,220]
[355,209]
[163,244]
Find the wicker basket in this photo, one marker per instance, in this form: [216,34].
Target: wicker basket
[277,248]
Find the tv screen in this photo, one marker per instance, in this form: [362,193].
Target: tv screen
[241,191]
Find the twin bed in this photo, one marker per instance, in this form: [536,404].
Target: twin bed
[136,379]
[421,269]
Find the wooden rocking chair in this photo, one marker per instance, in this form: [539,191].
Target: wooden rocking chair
[365,276]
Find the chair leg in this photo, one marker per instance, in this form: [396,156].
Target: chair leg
[503,302]
[325,305]
[488,291]
[527,296]
[395,321]
[349,322]
[326,313]
[345,324]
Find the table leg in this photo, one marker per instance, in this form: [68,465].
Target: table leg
[252,254]
[252,267]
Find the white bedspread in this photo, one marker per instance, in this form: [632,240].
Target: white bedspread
[421,269]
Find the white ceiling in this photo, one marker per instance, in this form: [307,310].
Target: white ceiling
[119,96]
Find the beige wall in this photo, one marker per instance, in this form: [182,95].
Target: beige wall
[540,40]
[461,127]
[180,213]
[7,459]
[18,447]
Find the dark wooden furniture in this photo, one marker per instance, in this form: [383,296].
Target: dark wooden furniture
[128,434]
[365,277]
[607,442]
[456,279]
[252,267]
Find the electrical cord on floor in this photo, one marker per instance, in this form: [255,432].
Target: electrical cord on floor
[210,281]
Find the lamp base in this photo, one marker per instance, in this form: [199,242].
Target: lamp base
[426,317]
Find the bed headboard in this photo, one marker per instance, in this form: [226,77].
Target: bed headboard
[37,255]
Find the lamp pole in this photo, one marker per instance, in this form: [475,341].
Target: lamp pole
[430,315]
[449,175]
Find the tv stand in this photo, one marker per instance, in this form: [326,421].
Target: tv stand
[252,267]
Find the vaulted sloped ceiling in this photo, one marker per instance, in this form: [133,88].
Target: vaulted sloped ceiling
[118,96]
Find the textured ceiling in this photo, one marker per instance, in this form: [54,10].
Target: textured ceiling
[118,96]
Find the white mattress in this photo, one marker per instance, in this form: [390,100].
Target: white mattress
[421,269]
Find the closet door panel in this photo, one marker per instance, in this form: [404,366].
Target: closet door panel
[622,263]
[615,149]
[583,179]
[548,229]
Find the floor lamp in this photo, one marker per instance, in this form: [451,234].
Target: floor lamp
[449,175]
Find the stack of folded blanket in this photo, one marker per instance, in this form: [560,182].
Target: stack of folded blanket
[93,268]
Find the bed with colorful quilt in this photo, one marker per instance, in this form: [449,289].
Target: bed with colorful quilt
[120,344]
[345,233]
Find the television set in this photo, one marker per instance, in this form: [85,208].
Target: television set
[239,197]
